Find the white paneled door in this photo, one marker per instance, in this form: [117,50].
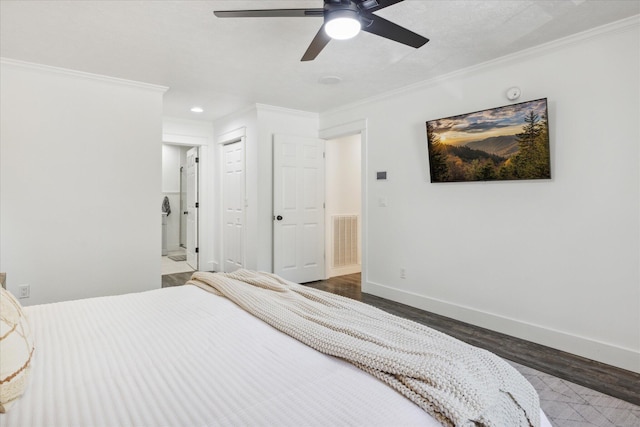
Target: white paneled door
[233,206]
[192,208]
[298,208]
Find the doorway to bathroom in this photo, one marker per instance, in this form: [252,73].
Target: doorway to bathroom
[179,208]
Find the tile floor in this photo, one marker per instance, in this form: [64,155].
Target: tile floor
[170,266]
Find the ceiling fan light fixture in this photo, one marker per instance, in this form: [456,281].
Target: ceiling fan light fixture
[343,19]
[342,24]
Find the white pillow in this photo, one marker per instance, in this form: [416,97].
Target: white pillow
[16,350]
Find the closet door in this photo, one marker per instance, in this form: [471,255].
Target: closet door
[233,206]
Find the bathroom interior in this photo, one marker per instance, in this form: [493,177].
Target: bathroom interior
[173,208]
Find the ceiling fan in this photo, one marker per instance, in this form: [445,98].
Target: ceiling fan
[343,19]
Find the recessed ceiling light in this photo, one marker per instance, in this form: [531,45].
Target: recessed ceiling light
[329,80]
[197,110]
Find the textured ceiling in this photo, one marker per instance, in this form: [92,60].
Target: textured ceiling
[227,64]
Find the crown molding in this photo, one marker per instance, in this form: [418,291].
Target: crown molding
[244,110]
[80,74]
[191,122]
[257,108]
[290,111]
[623,25]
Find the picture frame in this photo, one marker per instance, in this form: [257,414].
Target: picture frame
[510,142]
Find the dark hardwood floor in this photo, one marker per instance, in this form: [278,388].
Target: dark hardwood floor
[175,279]
[616,382]
[606,379]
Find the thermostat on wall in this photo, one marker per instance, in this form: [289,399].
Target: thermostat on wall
[381,175]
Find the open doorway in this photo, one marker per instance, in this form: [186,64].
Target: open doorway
[179,200]
[343,213]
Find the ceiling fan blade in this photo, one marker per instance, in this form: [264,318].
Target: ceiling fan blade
[373,5]
[268,13]
[387,29]
[317,44]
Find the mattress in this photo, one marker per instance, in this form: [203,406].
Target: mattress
[183,357]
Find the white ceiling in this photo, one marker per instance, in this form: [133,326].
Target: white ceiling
[227,64]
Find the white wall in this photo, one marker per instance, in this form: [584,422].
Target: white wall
[259,124]
[555,262]
[171,168]
[343,190]
[80,174]
[183,133]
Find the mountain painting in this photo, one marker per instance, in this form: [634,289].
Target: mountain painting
[504,143]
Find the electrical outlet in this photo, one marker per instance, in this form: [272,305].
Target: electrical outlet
[403,273]
[25,291]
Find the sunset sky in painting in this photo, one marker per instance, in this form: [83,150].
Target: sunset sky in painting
[465,128]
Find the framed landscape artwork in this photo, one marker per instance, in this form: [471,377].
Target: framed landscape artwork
[504,143]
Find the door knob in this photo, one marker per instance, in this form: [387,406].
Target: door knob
[279,217]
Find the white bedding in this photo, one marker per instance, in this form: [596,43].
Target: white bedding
[184,357]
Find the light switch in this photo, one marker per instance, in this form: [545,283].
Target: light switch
[382,202]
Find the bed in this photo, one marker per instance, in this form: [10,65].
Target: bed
[183,356]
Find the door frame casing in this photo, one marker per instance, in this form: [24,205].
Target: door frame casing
[347,129]
[199,134]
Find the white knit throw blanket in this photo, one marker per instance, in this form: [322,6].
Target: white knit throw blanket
[458,384]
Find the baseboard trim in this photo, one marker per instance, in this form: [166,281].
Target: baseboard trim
[342,271]
[592,349]
[211,266]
